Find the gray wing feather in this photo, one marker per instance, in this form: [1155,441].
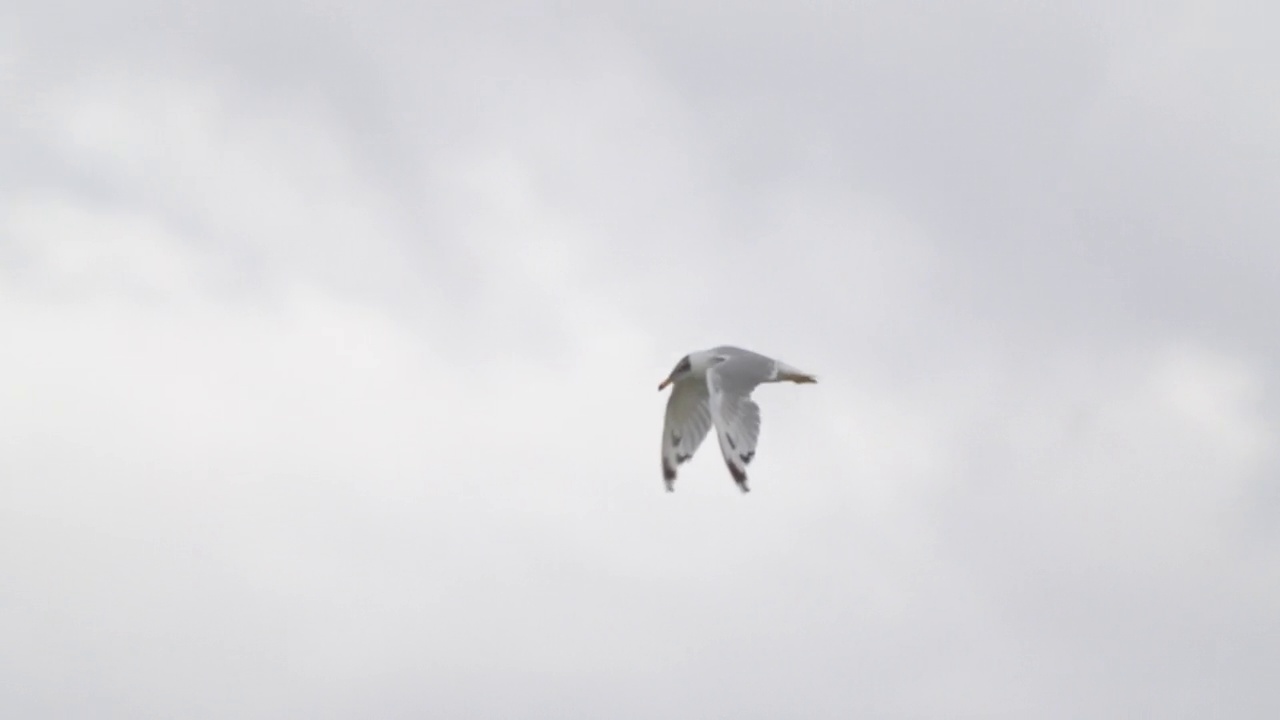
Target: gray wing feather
[688,420]
[735,414]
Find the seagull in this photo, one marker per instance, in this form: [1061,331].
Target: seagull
[714,387]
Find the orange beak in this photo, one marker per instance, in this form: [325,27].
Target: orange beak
[664,384]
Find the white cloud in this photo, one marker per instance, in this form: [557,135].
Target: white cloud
[79,250]
[337,402]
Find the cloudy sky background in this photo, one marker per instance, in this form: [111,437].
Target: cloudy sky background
[329,337]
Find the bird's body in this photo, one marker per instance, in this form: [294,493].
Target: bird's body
[713,388]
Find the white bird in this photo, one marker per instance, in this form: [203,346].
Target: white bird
[714,387]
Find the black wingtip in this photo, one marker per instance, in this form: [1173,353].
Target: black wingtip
[739,475]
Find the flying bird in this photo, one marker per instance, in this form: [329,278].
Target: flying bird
[713,387]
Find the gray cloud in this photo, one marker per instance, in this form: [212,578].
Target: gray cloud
[331,337]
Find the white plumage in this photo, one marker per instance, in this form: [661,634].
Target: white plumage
[713,387]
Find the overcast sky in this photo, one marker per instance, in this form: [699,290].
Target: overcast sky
[329,339]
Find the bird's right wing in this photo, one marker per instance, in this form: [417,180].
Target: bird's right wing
[686,425]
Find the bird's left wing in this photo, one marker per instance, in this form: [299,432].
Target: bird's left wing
[687,422]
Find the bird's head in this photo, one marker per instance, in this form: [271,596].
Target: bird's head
[682,369]
[692,364]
